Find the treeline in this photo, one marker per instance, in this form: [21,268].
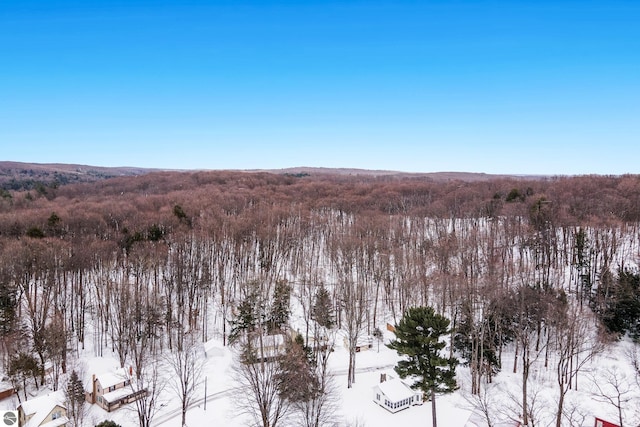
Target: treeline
[133,265]
[43,178]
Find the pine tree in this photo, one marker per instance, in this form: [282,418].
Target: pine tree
[418,338]
[247,319]
[280,308]
[75,398]
[322,311]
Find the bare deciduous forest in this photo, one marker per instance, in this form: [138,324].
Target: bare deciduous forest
[148,264]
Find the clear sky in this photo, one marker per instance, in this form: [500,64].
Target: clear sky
[526,87]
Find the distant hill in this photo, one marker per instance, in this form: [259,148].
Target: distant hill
[28,176]
[435,176]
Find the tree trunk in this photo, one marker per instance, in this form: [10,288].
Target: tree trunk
[351,370]
[560,406]
[434,418]
[525,378]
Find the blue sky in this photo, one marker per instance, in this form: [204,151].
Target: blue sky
[525,87]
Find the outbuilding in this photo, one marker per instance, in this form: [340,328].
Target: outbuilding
[394,395]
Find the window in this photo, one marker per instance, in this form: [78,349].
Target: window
[378,396]
[56,415]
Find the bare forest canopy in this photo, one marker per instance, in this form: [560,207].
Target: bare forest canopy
[135,263]
[136,203]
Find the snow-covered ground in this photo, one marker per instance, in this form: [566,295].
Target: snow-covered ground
[356,406]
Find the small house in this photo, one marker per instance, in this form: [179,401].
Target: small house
[44,411]
[364,343]
[6,390]
[111,390]
[394,395]
[267,348]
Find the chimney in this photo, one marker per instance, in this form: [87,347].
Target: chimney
[383,378]
[93,389]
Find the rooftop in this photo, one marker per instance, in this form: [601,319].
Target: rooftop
[396,390]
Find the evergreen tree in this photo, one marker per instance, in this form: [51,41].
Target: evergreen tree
[620,309]
[582,265]
[296,378]
[476,345]
[108,423]
[22,367]
[75,398]
[8,305]
[280,308]
[322,311]
[418,338]
[248,317]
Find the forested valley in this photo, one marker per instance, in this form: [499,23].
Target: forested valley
[541,269]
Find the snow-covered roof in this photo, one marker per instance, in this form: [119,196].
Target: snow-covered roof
[213,349]
[118,394]
[56,423]
[42,406]
[396,390]
[94,366]
[110,379]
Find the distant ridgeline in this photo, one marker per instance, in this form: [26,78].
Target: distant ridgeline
[43,177]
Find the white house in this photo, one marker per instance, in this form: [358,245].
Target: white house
[44,411]
[394,395]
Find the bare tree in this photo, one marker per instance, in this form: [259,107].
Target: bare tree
[320,410]
[56,341]
[534,408]
[576,346]
[257,376]
[532,309]
[615,389]
[186,368]
[575,415]
[354,306]
[633,355]
[484,402]
[148,379]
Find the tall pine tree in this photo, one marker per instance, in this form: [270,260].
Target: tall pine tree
[418,338]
